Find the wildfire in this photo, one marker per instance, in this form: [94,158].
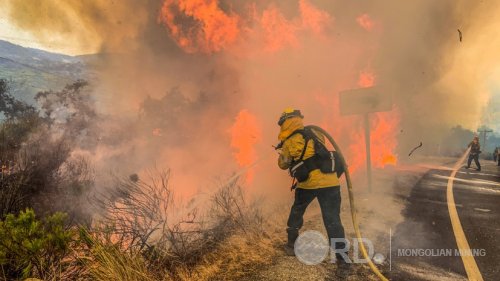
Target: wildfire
[383,130]
[202,26]
[383,127]
[245,134]
[278,31]
[213,30]
[383,138]
[366,79]
[313,18]
[365,22]
[157,132]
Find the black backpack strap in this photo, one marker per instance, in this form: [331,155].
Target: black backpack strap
[306,135]
[297,167]
[304,149]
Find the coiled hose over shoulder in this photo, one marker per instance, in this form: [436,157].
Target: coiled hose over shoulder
[351,202]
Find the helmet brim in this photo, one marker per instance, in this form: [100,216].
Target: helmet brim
[285,116]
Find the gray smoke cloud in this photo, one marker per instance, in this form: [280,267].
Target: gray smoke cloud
[293,53]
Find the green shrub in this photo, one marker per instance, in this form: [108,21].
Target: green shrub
[31,247]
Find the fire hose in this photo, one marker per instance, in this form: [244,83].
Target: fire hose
[352,204]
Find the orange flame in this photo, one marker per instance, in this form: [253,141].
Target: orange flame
[313,18]
[213,30]
[383,127]
[365,22]
[245,134]
[278,31]
[366,79]
[383,138]
[157,132]
[202,26]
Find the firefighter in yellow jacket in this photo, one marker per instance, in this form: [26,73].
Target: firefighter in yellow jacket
[323,186]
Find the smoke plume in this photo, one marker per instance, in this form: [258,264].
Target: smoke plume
[198,85]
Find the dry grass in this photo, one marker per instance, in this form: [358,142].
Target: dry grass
[241,254]
[238,256]
[110,263]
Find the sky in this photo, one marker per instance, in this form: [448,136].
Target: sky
[56,43]
[13,34]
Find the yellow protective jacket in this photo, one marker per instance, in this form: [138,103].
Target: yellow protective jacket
[292,149]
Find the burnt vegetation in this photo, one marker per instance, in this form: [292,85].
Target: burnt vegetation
[56,224]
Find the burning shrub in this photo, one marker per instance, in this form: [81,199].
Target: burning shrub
[235,243]
[40,170]
[70,113]
[231,210]
[134,211]
[52,179]
[140,218]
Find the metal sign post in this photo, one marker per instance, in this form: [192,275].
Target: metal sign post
[368,152]
[365,101]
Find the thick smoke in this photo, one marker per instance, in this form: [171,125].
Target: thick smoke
[439,81]
[94,26]
[173,80]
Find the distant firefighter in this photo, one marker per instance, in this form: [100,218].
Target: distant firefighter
[475,150]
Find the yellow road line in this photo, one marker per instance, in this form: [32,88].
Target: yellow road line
[463,246]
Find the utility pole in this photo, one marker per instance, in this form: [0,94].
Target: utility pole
[485,132]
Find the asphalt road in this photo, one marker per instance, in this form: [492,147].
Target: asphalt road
[424,246]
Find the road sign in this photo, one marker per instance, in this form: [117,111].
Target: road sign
[364,100]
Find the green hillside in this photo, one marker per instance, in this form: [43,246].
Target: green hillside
[29,71]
